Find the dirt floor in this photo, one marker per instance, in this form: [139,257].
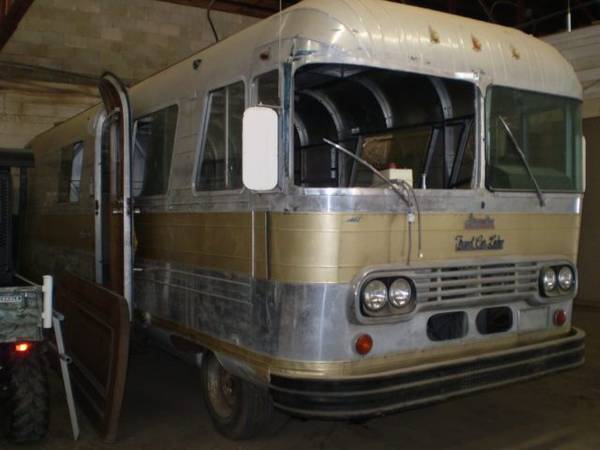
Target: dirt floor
[163,410]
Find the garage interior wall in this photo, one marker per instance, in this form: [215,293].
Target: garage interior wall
[582,49]
[50,66]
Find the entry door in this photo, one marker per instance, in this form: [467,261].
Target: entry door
[114,209]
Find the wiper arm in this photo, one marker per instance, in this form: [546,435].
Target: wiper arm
[389,182]
[510,134]
[404,197]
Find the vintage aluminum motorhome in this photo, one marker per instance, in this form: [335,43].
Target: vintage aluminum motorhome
[350,208]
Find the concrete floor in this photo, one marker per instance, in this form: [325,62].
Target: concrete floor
[163,410]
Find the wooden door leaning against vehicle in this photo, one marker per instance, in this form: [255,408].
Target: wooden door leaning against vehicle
[96,330]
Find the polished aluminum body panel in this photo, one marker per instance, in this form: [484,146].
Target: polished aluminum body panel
[225,281]
[315,322]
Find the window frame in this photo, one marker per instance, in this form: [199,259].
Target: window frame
[137,118]
[479,146]
[254,86]
[203,134]
[488,141]
[59,194]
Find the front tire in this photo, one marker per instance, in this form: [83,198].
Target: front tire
[238,409]
[29,402]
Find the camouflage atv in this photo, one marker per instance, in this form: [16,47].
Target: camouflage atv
[24,312]
[23,371]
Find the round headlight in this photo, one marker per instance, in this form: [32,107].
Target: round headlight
[549,279]
[375,295]
[400,293]
[565,278]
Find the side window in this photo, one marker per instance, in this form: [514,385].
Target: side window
[153,148]
[267,89]
[71,166]
[221,154]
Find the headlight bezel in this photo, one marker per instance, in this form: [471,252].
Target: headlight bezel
[389,311]
[558,289]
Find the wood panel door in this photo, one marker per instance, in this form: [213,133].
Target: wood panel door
[114,204]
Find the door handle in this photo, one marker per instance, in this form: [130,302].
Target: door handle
[117,211]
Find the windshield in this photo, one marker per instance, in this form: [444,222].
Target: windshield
[414,128]
[547,129]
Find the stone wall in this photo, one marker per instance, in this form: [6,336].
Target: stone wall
[131,38]
[27,108]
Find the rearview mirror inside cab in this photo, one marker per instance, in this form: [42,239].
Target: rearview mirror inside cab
[260,149]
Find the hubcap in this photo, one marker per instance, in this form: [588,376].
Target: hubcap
[222,389]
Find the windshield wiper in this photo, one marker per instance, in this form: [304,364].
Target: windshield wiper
[403,196]
[510,134]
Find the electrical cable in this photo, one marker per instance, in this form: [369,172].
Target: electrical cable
[208,16]
[404,196]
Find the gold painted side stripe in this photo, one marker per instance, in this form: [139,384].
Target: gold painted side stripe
[62,230]
[265,365]
[334,247]
[221,241]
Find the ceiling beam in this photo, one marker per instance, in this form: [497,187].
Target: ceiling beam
[586,10]
[11,13]
[24,72]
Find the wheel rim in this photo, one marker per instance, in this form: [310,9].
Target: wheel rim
[222,390]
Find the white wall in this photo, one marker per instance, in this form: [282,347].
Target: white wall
[582,48]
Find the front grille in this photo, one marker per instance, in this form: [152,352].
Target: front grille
[477,281]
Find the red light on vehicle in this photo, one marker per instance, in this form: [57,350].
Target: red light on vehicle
[560,317]
[22,347]
[364,344]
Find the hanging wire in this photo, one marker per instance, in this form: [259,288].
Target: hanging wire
[208,16]
[280,25]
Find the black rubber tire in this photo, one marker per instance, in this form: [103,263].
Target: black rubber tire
[29,403]
[251,411]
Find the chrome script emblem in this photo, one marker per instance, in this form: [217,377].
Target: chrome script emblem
[478,243]
[476,223]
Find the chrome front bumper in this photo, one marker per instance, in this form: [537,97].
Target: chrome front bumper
[418,386]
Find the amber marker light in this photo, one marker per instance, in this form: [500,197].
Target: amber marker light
[560,317]
[22,347]
[364,344]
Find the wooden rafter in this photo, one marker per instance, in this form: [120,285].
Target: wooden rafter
[11,13]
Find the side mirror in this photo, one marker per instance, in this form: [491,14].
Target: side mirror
[260,149]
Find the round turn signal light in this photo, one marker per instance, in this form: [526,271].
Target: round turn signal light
[560,318]
[364,344]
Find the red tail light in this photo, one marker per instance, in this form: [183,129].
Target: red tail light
[22,347]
